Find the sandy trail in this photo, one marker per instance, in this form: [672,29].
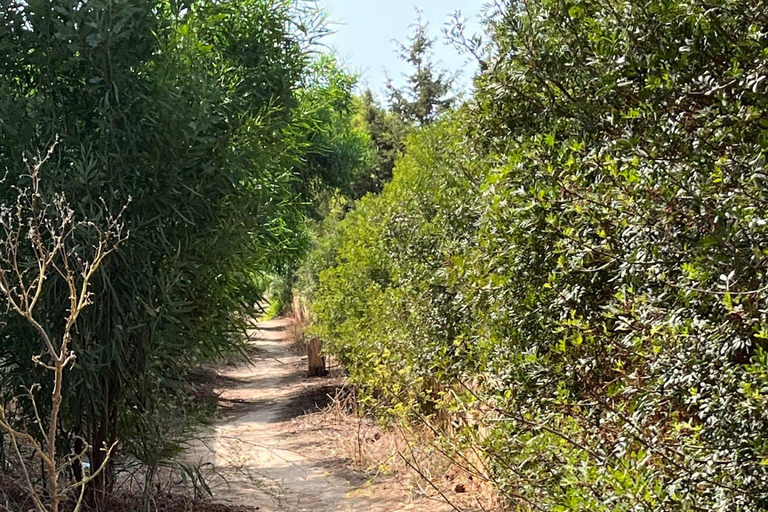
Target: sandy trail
[263,467]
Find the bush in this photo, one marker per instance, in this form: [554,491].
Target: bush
[572,268]
[192,109]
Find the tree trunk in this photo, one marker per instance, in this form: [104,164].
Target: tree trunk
[316,360]
[104,434]
[77,467]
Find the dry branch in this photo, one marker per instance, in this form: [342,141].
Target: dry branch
[40,238]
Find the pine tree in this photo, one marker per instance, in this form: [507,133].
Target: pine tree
[427,92]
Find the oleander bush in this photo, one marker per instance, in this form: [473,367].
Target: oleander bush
[208,117]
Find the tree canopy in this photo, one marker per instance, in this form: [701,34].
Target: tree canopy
[427,91]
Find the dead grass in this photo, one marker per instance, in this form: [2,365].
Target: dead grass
[295,334]
[13,498]
[172,503]
[399,461]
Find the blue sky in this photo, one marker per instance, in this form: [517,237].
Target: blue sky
[365,30]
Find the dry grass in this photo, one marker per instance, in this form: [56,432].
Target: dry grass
[402,462]
[295,333]
[408,461]
[171,503]
[13,498]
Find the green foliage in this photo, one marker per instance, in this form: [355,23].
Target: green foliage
[279,295]
[422,101]
[387,135]
[572,268]
[366,313]
[203,113]
[337,151]
[426,94]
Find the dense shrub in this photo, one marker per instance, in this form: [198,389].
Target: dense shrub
[202,113]
[572,269]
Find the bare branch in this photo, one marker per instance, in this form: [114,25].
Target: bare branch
[40,238]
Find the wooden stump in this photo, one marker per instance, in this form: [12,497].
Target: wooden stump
[316,361]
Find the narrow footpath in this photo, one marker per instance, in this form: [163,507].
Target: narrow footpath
[257,464]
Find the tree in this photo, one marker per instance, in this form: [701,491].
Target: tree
[39,238]
[427,93]
[572,267]
[387,134]
[336,151]
[425,97]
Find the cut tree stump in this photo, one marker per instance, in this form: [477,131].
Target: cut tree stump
[316,361]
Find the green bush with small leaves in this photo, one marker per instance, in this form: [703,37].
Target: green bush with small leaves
[568,275]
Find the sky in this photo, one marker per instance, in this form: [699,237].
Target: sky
[365,32]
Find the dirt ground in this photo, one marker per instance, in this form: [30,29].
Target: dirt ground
[263,458]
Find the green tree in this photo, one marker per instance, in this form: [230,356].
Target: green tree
[387,135]
[336,151]
[425,97]
[426,94]
[571,269]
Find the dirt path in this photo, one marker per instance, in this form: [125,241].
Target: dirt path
[264,467]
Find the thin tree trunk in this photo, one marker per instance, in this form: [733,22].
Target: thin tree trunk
[104,433]
[77,467]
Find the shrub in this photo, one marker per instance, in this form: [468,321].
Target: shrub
[40,239]
[190,108]
[572,269]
